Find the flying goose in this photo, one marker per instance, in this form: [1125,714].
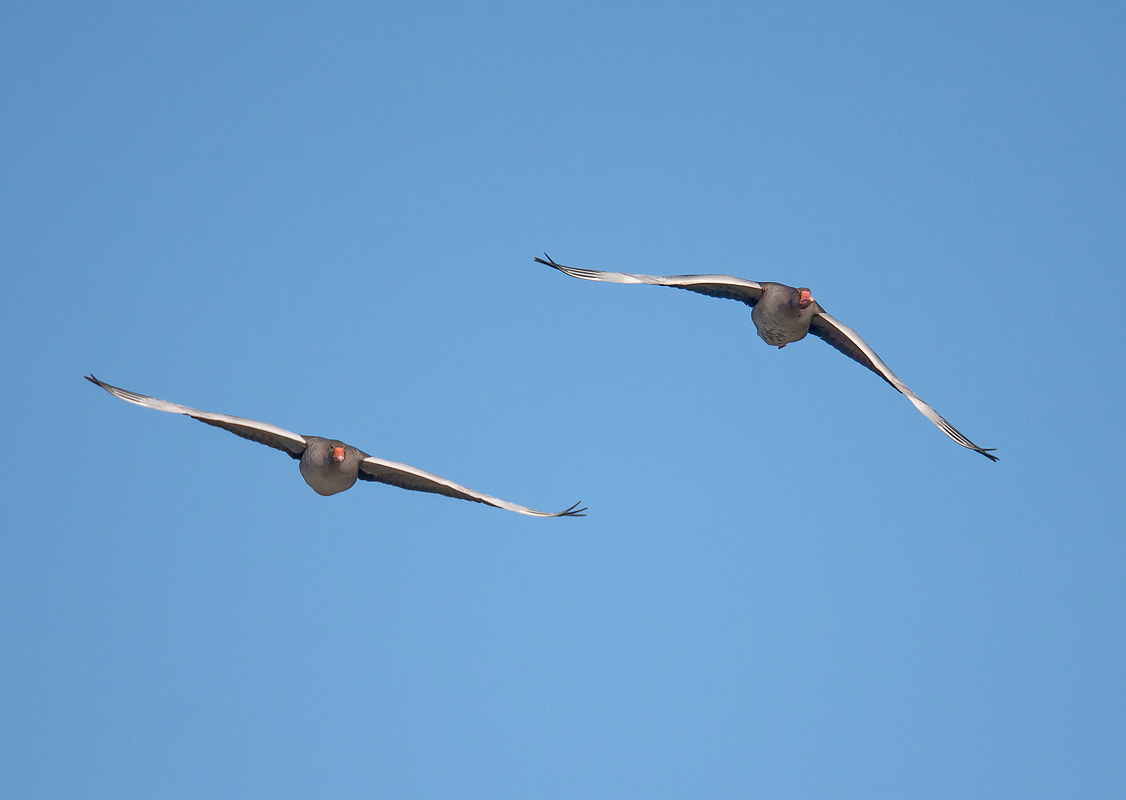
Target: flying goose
[328,465]
[782,314]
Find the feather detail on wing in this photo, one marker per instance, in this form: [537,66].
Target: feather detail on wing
[727,287]
[848,341]
[288,442]
[407,477]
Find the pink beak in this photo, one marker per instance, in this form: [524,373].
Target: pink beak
[338,454]
[805,296]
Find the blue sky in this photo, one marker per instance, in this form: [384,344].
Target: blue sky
[789,584]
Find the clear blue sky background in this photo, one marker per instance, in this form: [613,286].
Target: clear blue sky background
[790,584]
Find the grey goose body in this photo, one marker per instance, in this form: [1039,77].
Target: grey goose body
[782,314]
[330,466]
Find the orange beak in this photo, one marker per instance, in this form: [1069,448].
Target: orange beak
[338,454]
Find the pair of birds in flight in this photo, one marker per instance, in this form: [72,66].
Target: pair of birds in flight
[781,315]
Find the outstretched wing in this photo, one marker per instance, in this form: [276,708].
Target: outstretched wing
[848,341]
[405,476]
[727,287]
[262,432]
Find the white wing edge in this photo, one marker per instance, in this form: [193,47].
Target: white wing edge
[478,496]
[652,280]
[175,408]
[919,403]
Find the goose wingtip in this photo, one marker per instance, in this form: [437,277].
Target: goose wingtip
[573,511]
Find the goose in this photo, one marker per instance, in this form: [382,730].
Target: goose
[782,315]
[330,466]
